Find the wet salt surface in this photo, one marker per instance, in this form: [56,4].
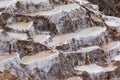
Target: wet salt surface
[17,36]
[7,56]
[90,68]
[68,8]
[88,49]
[113,23]
[41,38]
[117,58]
[51,12]
[61,39]
[36,57]
[91,31]
[35,1]
[75,78]
[93,68]
[111,46]
[85,50]
[21,26]
[5,3]
[58,9]
[109,68]
[1,30]
[112,18]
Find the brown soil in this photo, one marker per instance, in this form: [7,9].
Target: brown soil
[109,7]
[110,46]
[6,75]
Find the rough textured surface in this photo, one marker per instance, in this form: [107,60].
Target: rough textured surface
[87,37]
[108,7]
[6,75]
[58,40]
[27,7]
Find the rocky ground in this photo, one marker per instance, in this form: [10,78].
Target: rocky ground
[6,75]
[108,7]
[59,40]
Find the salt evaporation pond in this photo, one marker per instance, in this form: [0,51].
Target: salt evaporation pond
[41,38]
[61,39]
[6,56]
[29,59]
[21,26]
[58,9]
[75,78]
[94,69]
[91,31]
[17,36]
